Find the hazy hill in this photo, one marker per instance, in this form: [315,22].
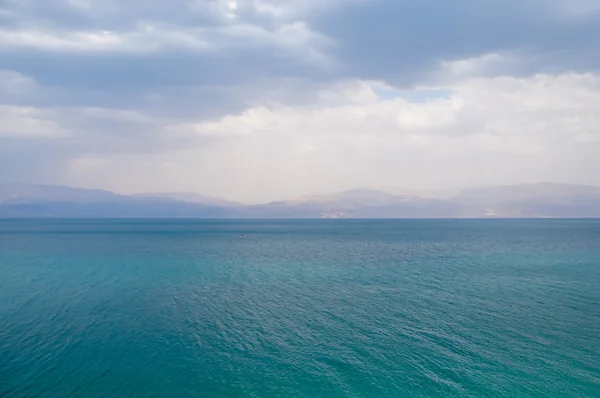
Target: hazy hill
[22,200]
[25,193]
[547,191]
[533,200]
[358,203]
[522,201]
[191,197]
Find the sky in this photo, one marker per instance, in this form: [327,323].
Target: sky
[259,100]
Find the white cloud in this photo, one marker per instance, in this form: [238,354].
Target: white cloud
[300,100]
[295,39]
[28,122]
[477,105]
[476,66]
[146,38]
[282,10]
[488,130]
[15,84]
[500,130]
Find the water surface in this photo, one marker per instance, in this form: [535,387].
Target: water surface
[306,308]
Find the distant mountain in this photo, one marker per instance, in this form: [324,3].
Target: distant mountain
[25,193]
[531,200]
[358,203]
[546,191]
[191,197]
[23,200]
[515,201]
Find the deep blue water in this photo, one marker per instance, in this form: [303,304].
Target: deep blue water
[321,308]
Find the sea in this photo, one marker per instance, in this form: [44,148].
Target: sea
[299,308]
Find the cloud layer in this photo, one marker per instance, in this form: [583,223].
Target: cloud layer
[258,100]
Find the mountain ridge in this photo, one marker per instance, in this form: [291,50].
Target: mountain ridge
[543,200]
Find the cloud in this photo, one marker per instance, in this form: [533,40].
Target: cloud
[488,130]
[15,84]
[104,52]
[406,41]
[22,121]
[262,99]
[142,40]
[92,49]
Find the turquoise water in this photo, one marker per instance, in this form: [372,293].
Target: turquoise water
[322,308]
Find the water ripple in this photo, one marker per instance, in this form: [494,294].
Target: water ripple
[300,308]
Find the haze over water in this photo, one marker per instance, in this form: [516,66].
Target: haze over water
[303,308]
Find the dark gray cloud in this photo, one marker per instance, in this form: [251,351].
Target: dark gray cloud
[403,43]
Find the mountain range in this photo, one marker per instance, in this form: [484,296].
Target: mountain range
[513,201]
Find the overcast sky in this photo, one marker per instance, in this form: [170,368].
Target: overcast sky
[258,100]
